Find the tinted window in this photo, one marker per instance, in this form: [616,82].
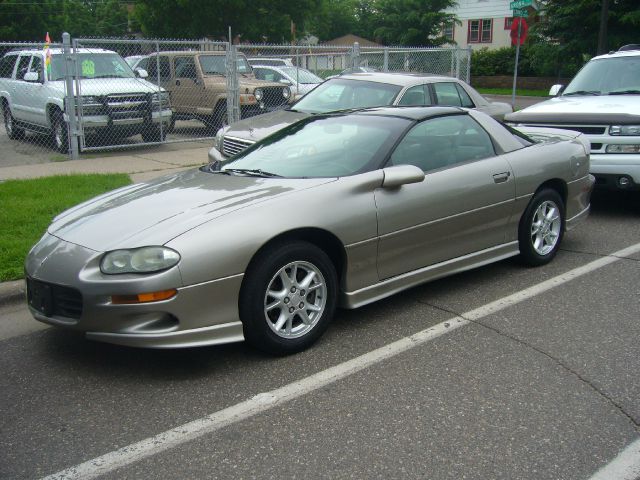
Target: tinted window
[23,65]
[185,67]
[464,96]
[152,68]
[418,95]
[6,66]
[447,94]
[441,142]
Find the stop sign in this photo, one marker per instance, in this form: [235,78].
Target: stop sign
[524,28]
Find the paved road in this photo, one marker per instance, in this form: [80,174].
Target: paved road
[543,385]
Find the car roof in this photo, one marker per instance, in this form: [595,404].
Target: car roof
[59,51]
[618,54]
[397,78]
[410,112]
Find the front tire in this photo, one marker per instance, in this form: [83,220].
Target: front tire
[13,131]
[154,134]
[288,298]
[60,132]
[541,228]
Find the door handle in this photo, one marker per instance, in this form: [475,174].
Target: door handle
[178,83]
[501,177]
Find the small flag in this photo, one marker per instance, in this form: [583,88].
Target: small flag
[47,55]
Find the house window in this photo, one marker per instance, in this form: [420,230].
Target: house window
[448,31]
[507,23]
[480,31]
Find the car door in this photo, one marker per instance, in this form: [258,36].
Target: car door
[461,207]
[187,89]
[20,90]
[35,97]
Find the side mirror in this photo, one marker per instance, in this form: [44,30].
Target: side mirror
[285,81]
[556,90]
[401,175]
[141,73]
[31,77]
[215,157]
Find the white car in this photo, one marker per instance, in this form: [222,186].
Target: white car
[115,101]
[300,81]
[603,102]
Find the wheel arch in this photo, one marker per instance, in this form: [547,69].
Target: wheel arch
[556,184]
[51,110]
[323,239]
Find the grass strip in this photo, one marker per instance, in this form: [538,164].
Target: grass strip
[28,206]
[507,91]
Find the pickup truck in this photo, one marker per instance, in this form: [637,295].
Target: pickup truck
[114,102]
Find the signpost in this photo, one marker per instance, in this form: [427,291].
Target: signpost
[519,29]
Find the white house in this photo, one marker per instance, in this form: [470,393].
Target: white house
[485,23]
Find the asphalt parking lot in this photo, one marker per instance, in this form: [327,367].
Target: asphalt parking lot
[503,372]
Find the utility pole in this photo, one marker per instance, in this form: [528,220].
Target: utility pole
[602,34]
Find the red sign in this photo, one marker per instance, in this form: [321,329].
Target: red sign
[524,28]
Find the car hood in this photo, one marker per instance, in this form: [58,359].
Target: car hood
[109,86]
[581,109]
[258,127]
[154,213]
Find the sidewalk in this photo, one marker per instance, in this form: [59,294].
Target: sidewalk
[141,165]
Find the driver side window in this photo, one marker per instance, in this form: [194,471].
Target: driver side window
[442,142]
[185,67]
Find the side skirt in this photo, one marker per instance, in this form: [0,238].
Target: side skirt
[393,285]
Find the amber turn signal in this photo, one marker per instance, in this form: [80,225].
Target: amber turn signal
[143,297]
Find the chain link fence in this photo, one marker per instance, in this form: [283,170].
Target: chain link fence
[91,94]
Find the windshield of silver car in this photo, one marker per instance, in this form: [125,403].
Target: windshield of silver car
[607,76]
[93,65]
[301,75]
[327,146]
[342,94]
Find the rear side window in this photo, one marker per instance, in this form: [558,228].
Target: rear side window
[418,95]
[6,66]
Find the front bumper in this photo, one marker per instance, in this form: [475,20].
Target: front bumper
[202,314]
[610,168]
[104,121]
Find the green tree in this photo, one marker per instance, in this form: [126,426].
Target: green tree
[412,22]
[574,25]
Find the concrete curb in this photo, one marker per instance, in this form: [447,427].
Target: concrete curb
[12,292]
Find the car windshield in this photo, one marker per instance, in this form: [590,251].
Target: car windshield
[343,94]
[300,75]
[322,146]
[215,64]
[607,76]
[93,65]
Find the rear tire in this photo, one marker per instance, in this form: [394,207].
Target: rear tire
[13,131]
[288,297]
[541,228]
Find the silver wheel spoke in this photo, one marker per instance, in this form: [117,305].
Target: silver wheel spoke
[286,308]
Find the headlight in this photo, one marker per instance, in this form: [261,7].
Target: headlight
[139,260]
[623,149]
[258,93]
[160,97]
[217,141]
[624,130]
[286,92]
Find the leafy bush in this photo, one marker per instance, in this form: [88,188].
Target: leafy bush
[536,60]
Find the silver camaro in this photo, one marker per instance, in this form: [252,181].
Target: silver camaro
[335,210]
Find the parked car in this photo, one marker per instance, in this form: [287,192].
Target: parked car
[337,209]
[603,102]
[132,60]
[198,85]
[358,90]
[271,61]
[115,102]
[300,81]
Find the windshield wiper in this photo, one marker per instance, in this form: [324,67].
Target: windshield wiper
[254,172]
[581,92]
[625,92]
